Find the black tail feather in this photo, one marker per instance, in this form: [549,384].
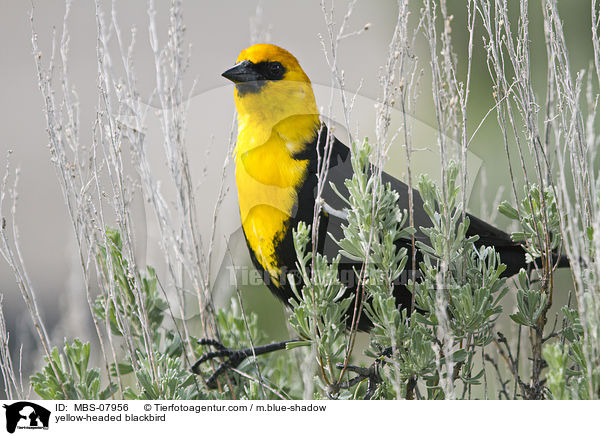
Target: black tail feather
[514,259]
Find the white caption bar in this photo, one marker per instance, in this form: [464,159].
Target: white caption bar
[287,418]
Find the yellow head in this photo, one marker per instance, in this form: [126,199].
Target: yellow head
[268,62]
[270,89]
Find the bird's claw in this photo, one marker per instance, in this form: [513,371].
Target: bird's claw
[371,374]
[232,359]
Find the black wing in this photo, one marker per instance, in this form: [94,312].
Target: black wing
[340,169]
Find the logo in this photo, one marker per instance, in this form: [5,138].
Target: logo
[26,415]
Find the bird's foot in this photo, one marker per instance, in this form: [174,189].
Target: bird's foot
[232,358]
[371,374]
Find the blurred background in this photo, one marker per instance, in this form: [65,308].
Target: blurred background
[217,31]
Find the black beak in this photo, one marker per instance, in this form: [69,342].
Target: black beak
[243,72]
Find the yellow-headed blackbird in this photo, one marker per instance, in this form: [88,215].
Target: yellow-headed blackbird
[280,136]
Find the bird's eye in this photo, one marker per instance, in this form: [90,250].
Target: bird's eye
[275,70]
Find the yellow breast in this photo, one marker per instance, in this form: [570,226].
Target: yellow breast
[274,124]
[267,179]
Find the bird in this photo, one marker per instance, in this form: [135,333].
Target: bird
[280,138]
